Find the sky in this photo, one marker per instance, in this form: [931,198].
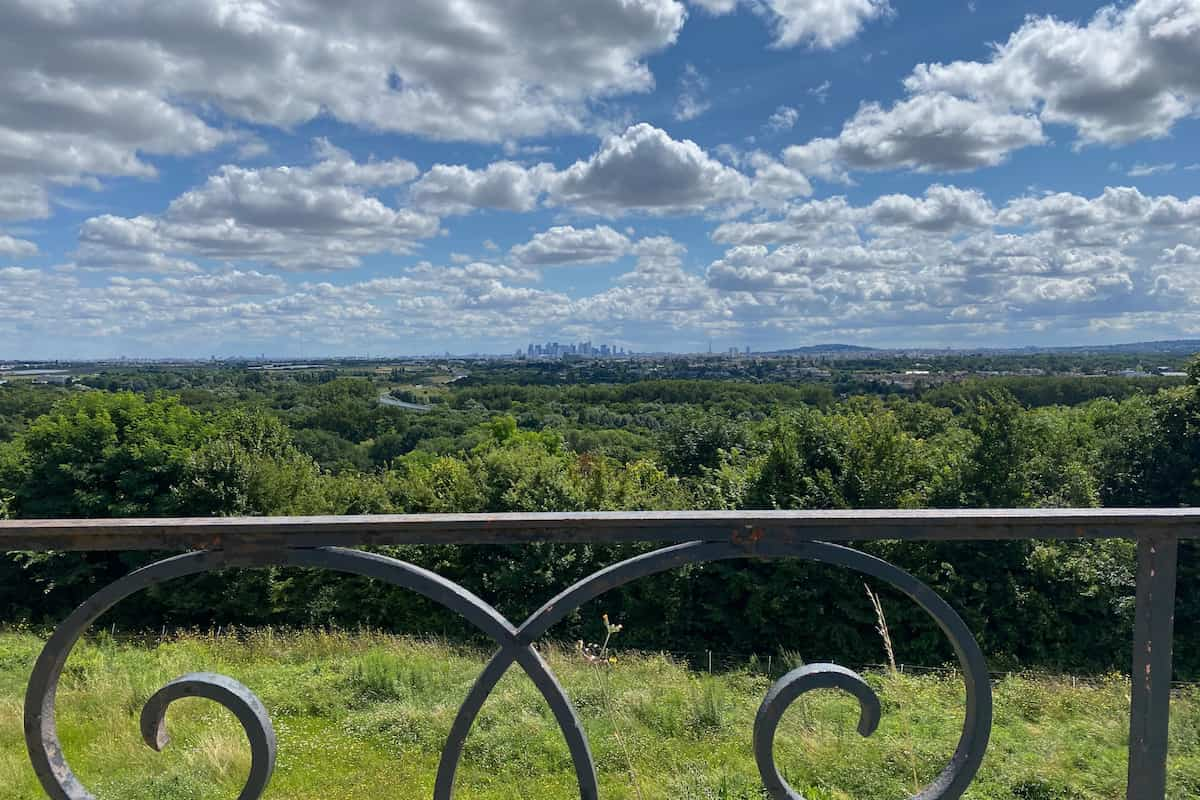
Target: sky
[308,178]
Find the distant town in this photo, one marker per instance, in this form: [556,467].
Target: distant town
[582,349]
[845,368]
[1171,349]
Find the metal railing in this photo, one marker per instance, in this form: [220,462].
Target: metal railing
[696,537]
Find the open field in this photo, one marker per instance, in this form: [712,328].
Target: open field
[365,715]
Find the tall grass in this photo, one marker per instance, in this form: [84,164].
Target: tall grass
[365,716]
[881,627]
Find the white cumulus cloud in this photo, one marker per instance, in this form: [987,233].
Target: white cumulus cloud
[1129,73]
[565,244]
[313,217]
[822,24]
[16,248]
[89,89]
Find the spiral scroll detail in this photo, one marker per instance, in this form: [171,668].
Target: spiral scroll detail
[515,647]
[949,784]
[41,731]
[232,695]
[783,693]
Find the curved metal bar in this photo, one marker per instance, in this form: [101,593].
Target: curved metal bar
[515,645]
[41,731]
[783,693]
[463,602]
[234,696]
[538,623]
[957,775]
[948,785]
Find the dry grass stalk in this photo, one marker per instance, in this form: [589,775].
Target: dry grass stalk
[882,627]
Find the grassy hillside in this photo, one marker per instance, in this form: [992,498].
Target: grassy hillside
[364,716]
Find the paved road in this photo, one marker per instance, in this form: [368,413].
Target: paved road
[388,400]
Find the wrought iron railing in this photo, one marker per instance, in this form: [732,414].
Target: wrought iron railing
[322,542]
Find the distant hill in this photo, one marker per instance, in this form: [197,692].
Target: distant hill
[825,349]
[1164,347]
[1173,346]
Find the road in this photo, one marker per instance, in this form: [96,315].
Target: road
[387,400]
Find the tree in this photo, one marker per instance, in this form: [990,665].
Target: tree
[331,451]
[249,466]
[103,455]
[886,466]
[996,477]
[423,483]
[693,441]
[804,466]
[1063,453]
[1126,434]
[92,455]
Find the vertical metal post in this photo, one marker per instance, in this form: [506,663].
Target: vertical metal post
[1153,629]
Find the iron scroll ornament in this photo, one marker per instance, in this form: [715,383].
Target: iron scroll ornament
[515,646]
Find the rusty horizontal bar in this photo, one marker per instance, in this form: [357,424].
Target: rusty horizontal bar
[252,533]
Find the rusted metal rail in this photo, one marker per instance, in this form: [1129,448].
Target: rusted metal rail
[695,537]
[211,533]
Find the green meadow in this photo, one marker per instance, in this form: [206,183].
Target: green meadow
[364,716]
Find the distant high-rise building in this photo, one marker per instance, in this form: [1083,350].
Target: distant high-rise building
[585,349]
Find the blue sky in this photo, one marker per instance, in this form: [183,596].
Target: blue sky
[309,178]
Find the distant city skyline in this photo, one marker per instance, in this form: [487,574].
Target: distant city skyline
[651,174]
[1176,347]
[559,350]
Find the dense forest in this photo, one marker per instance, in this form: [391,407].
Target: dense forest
[217,441]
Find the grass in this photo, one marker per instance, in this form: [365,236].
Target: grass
[364,716]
